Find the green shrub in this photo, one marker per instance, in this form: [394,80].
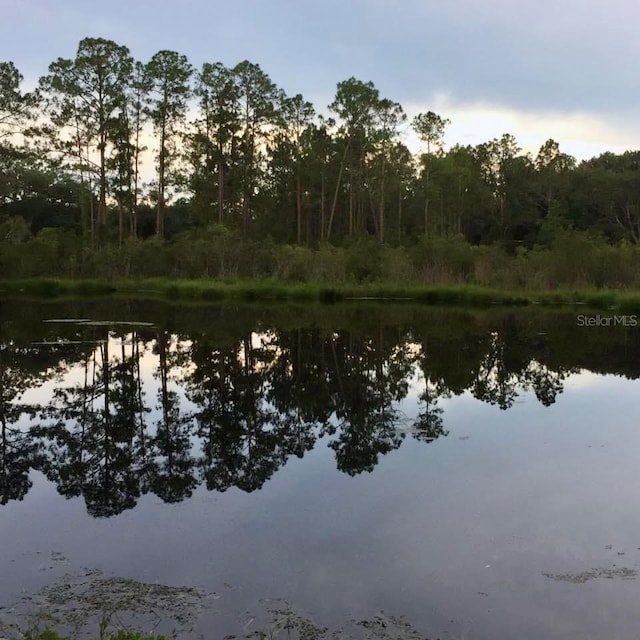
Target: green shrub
[364,260]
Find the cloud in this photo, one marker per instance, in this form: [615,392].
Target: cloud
[535,57]
[580,134]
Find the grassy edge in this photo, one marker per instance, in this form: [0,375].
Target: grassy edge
[271,289]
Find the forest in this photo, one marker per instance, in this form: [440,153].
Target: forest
[113,167]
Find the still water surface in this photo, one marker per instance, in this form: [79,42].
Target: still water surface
[475,473]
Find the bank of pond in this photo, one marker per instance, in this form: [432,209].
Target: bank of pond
[266,290]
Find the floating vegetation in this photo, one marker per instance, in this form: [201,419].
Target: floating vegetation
[580,578]
[88,322]
[384,627]
[89,605]
[286,623]
[113,323]
[82,602]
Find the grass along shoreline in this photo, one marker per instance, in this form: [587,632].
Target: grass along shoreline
[272,289]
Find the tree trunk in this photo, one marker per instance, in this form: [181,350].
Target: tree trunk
[161,184]
[375,215]
[133,220]
[399,215]
[221,179]
[120,222]
[459,216]
[247,178]
[322,203]
[426,217]
[335,193]
[382,194]
[102,205]
[298,205]
[92,216]
[102,125]
[350,210]
[426,190]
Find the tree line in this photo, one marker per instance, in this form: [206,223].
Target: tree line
[229,149]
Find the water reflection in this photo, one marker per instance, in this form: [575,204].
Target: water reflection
[112,413]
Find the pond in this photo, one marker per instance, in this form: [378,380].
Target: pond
[357,470]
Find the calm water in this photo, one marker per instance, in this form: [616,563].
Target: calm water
[475,473]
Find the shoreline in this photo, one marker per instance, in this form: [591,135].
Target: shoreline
[256,290]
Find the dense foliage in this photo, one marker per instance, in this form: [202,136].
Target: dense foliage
[116,167]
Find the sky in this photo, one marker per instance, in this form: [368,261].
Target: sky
[537,69]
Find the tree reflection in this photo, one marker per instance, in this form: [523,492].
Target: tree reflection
[18,452]
[244,438]
[23,367]
[232,406]
[429,424]
[172,466]
[513,363]
[93,428]
[494,382]
[367,378]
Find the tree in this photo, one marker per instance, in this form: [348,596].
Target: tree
[402,179]
[606,194]
[16,107]
[320,156]
[367,122]
[215,139]
[168,75]
[389,116]
[36,192]
[259,103]
[495,157]
[297,116]
[128,148]
[552,167]
[430,129]
[85,101]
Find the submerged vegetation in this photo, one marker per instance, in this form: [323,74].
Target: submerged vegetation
[284,624]
[51,634]
[91,606]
